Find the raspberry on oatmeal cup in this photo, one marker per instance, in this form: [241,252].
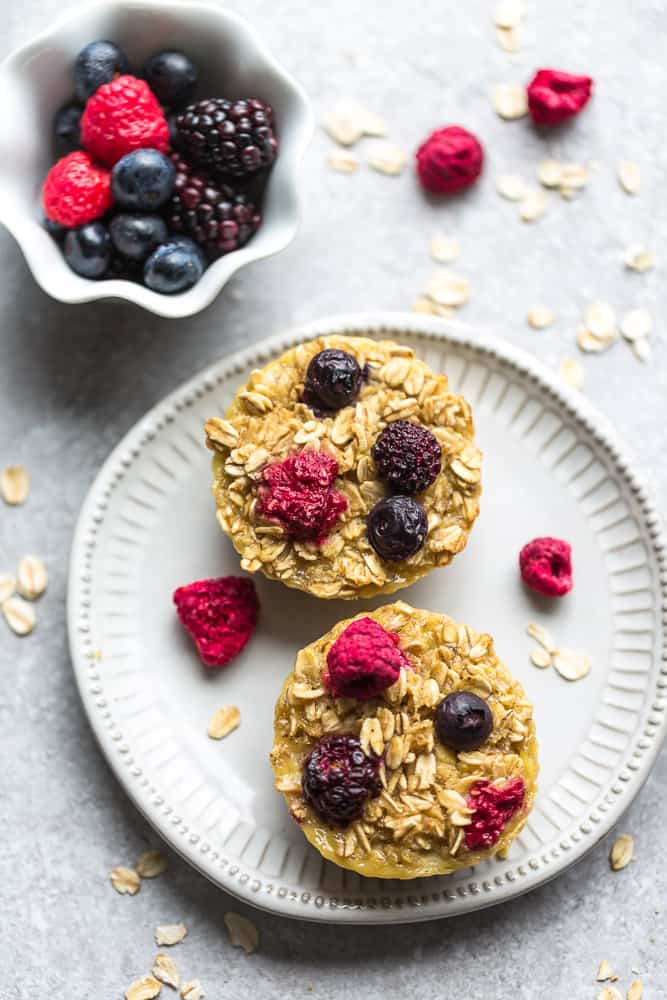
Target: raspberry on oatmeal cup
[436,771]
[346,468]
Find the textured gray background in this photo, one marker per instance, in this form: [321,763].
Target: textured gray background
[74,379]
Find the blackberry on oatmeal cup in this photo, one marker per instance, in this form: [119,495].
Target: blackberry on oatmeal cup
[436,771]
[303,462]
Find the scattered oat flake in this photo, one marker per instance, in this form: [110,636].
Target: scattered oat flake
[388,159]
[167,935]
[635,990]
[443,249]
[540,317]
[622,852]
[609,993]
[342,162]
[638,258]
[549,173]
[423,304]
[533,206]
[192,990]
[32,578]
[14,485]
[572,372]
[573,176]
[600,319]
[165,969]
[345,123]
[242,932]
[590,344]
[448,289]
[125,881]
[636,324]
[511,186]
[151,864]
[19,615]
[143,989]
[642,349]
[509,39]
[542,636]
[571,664]
[225,721]
[510,100]
[541,658]
[605,973]
[629,176]
[7,586]
[508,13]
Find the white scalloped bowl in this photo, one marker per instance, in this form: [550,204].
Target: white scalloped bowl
[36,81]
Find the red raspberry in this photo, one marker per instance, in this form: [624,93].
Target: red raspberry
[299,493]
[121,116]
[494,808]
[449,160]
[76,191]
[554,96]
[220,615]
[363,661]
[546,566]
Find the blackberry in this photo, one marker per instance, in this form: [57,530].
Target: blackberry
[397,527]
[463,721]
[216,216]
[234,138]
[333,380]
[407,456]
[338,779]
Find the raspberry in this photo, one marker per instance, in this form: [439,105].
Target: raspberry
[449,160]
[554,96]
[494,808]
[408,456]
[219,218]
[220,615]
[121,116]
[235,138]
[338,779]
[546,566]
[299,493]
[76,191]
[363,661]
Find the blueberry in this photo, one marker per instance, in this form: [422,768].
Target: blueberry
[66,128]
[333,380]
[172,77]
[463,721]
[88,250]
[174,266]
[397,527]
[135,236]
[98,63]
[55,229]
[143,179]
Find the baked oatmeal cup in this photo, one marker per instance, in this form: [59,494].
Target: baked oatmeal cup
[403,747]
[346,468]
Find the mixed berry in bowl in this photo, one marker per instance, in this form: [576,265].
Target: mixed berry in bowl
[153,184]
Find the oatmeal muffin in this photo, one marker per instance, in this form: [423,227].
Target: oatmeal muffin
[346,468]
[403,747]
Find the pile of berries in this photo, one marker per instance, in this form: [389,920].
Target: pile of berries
[150,186]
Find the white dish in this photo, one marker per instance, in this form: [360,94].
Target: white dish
[552,466]
[36,80]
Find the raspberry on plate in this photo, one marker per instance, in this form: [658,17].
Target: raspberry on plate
[220,615]
[546,566]
[76,191]
[121,116]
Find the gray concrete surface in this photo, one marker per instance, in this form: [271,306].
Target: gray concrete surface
[73,380]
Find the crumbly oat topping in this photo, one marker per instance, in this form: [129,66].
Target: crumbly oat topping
[267,421]
[416,825]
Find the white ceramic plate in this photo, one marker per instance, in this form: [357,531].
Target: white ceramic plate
[551,466]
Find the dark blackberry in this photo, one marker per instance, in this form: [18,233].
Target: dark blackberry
[338,779]
[234,138]
[216,216]
[463,721]
[333,380]
[407,456]
[397,527]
